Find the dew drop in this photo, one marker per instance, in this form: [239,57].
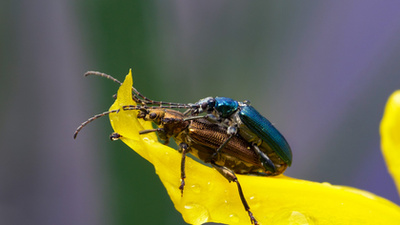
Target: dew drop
[146,139]
[300,218]
[293,218]
[167,157]
[196,188]
[234,218]
[254,204]
[326,184]
[195,213]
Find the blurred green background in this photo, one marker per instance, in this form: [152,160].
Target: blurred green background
[321,71]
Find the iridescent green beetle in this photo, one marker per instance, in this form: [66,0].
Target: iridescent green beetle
[243,119]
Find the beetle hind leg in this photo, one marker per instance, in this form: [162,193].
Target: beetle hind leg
[183,148]
[230,176]
[265,160]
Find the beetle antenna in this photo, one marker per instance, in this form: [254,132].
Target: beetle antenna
[100,74]
[91,119]
[140,107]
[137,94]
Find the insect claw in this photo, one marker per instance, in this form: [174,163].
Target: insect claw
[252,219]
[115,136]
[91,119]
[181,187]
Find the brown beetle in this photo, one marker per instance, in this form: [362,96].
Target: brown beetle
[202,138]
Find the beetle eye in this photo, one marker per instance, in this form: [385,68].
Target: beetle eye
[152,115]
[211,103]
[204,105]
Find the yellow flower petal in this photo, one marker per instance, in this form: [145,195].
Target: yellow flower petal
[390,135]
[209,197]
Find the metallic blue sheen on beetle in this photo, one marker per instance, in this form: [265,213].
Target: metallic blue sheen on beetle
[244,119]
[263,128]
[225,106]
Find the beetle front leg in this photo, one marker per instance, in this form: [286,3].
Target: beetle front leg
[209,117]
[161,134]
[183,148]
[115,136]
[230,176]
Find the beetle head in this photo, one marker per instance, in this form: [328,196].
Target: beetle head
[205,105]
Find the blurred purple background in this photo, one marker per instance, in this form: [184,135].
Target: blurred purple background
[320,71]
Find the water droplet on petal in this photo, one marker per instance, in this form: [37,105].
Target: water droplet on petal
[293,218]
[234,218]
[146,139]
[167,157]
[196,213]
[300,219]
[326,184]
[254,204]
[196,188]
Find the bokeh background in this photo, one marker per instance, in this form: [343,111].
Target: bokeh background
[321,71]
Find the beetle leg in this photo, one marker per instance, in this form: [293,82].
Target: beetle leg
[209,117]
[265,160]
[212,118]
[221,147]
[151,130]
[160,132]
[232,130]
[183,148]
[115,136]
[195,117]
[230,176]
[187,112]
